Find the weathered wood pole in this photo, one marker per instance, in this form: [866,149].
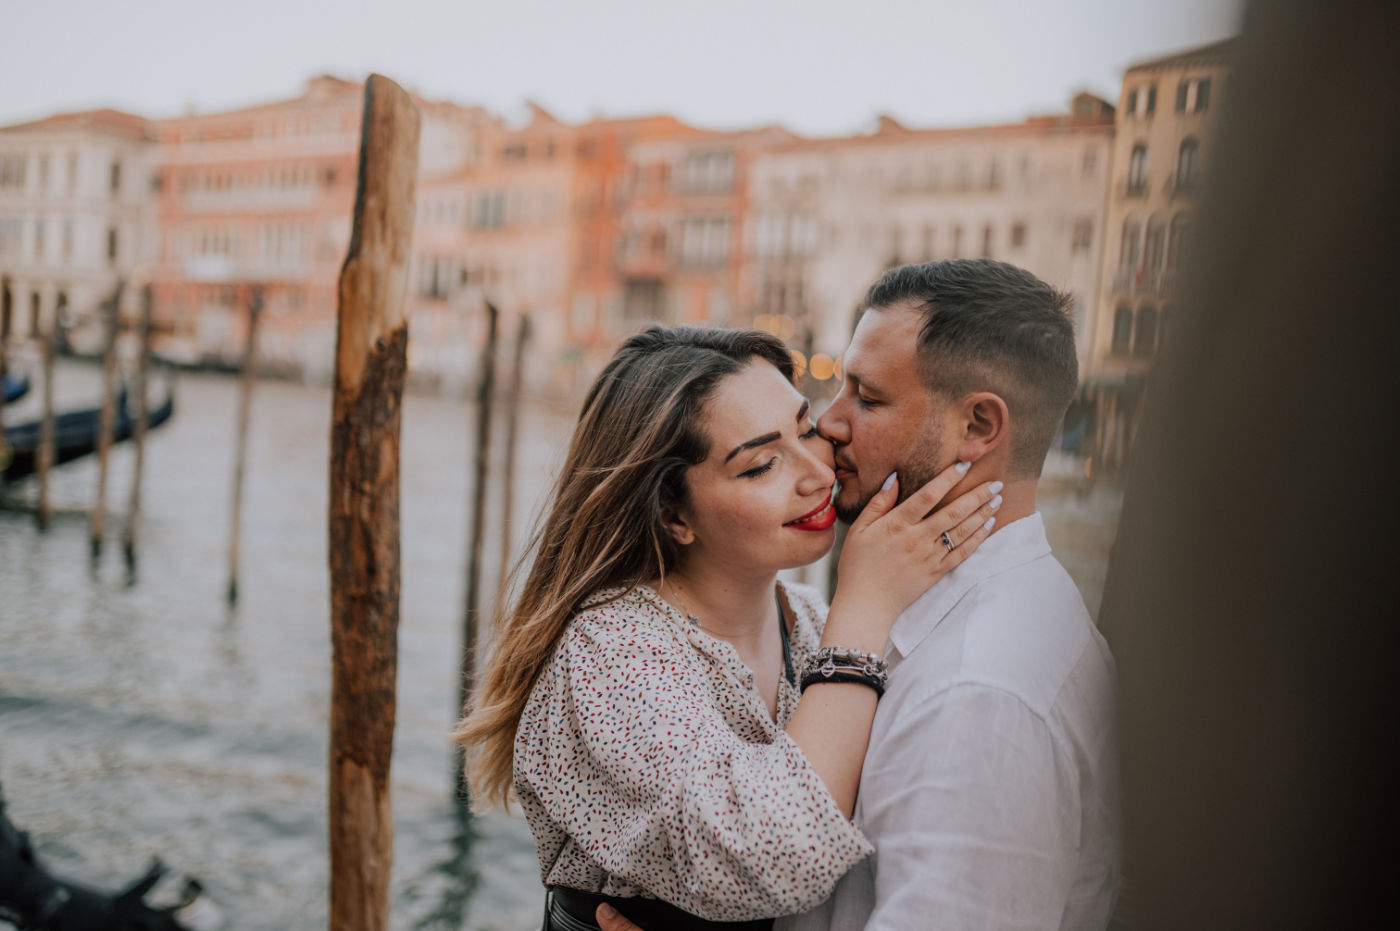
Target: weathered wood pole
[370,367]
[138,436]
[48,339]
[485,398]
[111,313]
[240,440]
[4,366]
[513,402]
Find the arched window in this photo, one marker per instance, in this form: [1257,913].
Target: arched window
[1186,157]
[1131,250]
[1155,245]
[1145,333]
[1137,170]
[1176,243]
[1122,329]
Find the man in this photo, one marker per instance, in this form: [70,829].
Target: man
[989,788]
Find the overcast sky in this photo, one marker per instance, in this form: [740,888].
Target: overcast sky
[816,66]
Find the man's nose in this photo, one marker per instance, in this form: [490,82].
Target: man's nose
[832,425]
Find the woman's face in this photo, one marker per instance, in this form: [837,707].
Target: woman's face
[761,500]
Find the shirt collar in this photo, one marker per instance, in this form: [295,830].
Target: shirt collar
[1013,545]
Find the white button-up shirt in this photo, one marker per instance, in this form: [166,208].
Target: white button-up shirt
[990,787]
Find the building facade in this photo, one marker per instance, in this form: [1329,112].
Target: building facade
[827,216]
[257,203]
[1166,115]
[76,218]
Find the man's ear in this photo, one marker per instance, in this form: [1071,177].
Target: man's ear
[986,426]
[675,524]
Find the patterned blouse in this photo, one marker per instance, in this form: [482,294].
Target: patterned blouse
[647,765]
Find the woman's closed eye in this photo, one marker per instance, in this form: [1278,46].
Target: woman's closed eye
[756,471]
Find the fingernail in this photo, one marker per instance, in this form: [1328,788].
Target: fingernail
[994,503]
[607,911]
[962,467]
[995,487]
[989,524]
[889,481]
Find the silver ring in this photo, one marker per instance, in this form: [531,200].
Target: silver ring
[947,541]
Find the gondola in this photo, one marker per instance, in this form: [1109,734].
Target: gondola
[34,897]
[14,389]
[75,435]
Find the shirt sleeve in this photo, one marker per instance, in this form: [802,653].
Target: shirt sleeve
[977,811]
[684,808]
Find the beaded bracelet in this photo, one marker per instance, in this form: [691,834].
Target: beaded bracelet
[826,661]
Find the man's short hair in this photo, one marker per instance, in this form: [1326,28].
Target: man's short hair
[990,326]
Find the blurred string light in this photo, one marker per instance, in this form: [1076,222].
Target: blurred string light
[799,364]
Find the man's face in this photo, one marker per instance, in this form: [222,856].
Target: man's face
[884,420]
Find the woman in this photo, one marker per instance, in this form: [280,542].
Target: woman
[645,698]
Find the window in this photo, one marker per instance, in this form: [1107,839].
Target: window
[707,172]
[35,314]
[73,174]
[1132,241]
[1091,162]
[1122,329]
[987,241]
[643,299]
[1083,239]
[112,245]
[1193,95]
[1155,244]
[1151,99]
[1130,106]
[12,171]
[38,239]
[43,174]
[1176,241]
[513,153]
[1145,332]
[927,251]
[994,176]
[1186,163]
[1018,235]
[114,181]
[1137,171]
[957,243]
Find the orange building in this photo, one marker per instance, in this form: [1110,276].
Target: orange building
[261,199]
[495,226]
[659,207]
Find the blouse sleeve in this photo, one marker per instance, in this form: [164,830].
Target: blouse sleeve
[678,803]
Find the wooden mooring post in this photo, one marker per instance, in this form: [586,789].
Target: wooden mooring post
[240,453]
[370,368]
[471,615]
[111,313]
[513,401]
[43,462]
[138,436]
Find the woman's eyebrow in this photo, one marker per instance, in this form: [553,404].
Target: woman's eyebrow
[767,437]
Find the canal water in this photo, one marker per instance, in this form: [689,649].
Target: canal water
[149,719]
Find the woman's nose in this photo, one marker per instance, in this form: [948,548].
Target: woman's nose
[821,465]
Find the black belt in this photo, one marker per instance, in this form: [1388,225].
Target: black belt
[568,909]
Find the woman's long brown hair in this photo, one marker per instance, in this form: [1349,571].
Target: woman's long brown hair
[637,435]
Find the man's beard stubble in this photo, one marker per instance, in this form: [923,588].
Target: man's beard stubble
[923,465]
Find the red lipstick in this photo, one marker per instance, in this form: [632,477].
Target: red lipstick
[820,519]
